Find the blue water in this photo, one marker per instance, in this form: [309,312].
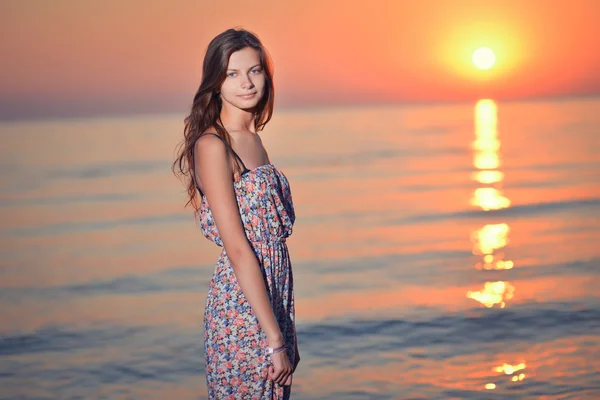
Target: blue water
[416,278]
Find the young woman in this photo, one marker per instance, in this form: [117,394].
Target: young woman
[244,204]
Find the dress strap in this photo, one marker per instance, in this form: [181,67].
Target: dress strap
[229,147]
[233,151]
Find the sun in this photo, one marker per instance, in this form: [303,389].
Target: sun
[483,58]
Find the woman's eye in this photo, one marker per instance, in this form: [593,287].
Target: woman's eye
[231,74]
[256,71]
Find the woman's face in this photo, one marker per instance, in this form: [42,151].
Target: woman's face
[244,83]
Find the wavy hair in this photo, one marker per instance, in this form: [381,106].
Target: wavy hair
[206,108]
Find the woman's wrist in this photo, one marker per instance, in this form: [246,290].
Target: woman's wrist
[275,340]
[275,350]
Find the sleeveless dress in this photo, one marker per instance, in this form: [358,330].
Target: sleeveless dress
[234,343]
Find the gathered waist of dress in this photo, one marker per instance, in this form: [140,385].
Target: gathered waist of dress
[267,240]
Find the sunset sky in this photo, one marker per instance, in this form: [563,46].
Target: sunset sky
[104,57]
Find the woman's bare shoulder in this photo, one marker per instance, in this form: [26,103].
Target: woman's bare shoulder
[209,133]
[209,143]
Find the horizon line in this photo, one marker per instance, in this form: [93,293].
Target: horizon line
[304,106]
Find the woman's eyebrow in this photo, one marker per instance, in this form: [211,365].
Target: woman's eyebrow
[233,69]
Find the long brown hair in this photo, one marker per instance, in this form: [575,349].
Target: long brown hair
[206,107]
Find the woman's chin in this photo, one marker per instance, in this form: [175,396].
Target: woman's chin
[248,105]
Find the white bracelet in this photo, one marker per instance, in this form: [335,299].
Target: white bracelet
[271,350]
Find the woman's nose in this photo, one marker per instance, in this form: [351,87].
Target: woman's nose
[246,82]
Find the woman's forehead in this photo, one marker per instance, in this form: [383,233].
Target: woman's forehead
[243,59]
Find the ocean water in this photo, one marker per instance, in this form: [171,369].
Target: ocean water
[439,252]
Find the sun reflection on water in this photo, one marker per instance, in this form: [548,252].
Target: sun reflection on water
[489,198]
[486,240]
[489,240]
[493,293]
[512,370]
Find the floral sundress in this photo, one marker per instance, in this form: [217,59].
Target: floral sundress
[235,345]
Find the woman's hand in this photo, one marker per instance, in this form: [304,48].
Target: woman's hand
[281,370]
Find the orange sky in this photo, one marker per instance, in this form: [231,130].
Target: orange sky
[72,57]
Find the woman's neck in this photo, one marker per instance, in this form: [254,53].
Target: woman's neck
[235,119]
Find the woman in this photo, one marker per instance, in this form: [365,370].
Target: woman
[245,205]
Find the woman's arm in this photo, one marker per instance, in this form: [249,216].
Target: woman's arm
[216,177]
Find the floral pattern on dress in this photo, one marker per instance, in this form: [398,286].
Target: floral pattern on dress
[235,345]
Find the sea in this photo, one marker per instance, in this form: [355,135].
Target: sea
[440,251]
